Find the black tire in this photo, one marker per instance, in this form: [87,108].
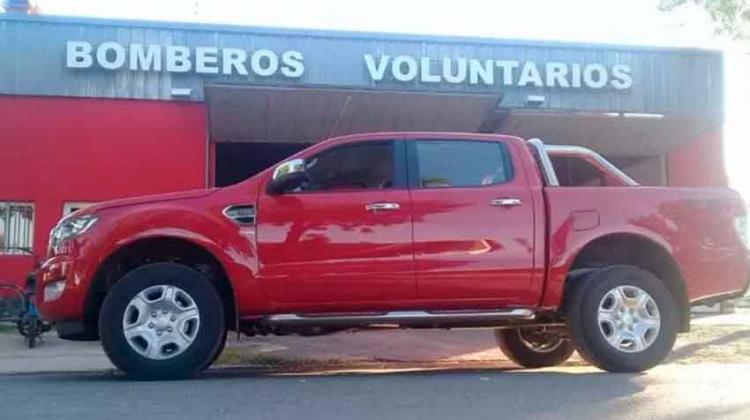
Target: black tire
[208,338]
[516,345]
[32,332]
[22,328]
[219,350]
[582,308]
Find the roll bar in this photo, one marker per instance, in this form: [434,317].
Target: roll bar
[542,152]
[545,163]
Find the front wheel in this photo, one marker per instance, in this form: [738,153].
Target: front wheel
[534,347]
[162,321]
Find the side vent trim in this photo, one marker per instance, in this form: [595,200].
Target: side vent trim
[242,214]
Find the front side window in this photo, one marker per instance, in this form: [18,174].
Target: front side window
[461,163]
[367,165]
[16,227]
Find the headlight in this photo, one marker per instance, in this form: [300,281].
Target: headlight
[54,290]
[740,223]
[70,227]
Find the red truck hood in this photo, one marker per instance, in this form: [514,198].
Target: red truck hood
[146,199]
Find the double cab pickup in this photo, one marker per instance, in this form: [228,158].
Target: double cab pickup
[551,247]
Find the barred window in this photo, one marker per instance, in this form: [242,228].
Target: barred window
[16,227]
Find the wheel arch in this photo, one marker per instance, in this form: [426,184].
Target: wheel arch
[636,250]
[161,248]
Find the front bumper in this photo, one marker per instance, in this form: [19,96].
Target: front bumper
[76,330]
[70,303]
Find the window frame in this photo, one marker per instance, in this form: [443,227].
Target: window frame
[413,162]
[5,249]
[399,166]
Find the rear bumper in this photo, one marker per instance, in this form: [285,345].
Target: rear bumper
[710,300]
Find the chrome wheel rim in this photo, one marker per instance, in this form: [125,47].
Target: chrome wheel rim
[161,322]
[629,319]
[540,340]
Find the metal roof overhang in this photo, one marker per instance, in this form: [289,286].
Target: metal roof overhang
[240,113]
[608,134]
[308,115]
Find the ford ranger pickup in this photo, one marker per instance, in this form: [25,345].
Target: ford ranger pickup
[551,247]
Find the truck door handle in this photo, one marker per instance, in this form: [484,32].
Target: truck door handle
[505,202]
[376,207]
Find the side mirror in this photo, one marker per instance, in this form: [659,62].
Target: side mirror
[288,176]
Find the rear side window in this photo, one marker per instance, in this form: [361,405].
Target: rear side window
[461,163]
[577,172]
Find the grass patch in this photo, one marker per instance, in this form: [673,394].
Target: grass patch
[6,328]
[743,302]
[235,357]
[240,357]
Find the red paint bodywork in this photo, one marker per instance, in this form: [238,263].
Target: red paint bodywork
[469,252]
[443,249]
[694,225]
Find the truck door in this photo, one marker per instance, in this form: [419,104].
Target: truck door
[473,222]
[345,237]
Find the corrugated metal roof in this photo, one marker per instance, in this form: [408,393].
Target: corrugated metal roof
[680,82]
[309,32]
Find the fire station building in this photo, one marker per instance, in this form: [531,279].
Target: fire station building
[92,110]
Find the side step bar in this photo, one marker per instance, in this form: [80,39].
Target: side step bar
[425,319]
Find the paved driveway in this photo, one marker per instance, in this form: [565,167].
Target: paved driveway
[707,377]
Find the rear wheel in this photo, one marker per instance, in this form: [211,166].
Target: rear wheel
[622,319]
[534,347]
[162,321]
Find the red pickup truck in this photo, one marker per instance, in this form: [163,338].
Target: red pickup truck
[412,230]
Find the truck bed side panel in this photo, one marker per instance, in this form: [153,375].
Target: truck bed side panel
[696,226]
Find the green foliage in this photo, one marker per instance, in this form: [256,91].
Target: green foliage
[732,17]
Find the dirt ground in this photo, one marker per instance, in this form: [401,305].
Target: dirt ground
[714,343]
[720,339]
[714,339]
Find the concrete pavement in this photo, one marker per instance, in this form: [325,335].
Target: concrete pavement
[421,375]
[703,391]
[52,355]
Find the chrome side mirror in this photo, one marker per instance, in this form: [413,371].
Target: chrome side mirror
[287,176]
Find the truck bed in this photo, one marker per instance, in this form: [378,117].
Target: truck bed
[695,225]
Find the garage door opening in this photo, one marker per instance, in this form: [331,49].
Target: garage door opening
[253,127]
[238,161]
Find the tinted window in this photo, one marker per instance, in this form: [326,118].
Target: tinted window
[460,163]
[357,166]
[576,172]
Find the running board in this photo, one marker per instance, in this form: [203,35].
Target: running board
[424,319]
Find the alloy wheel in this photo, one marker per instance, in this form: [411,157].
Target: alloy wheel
[161,322]
[629,319]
